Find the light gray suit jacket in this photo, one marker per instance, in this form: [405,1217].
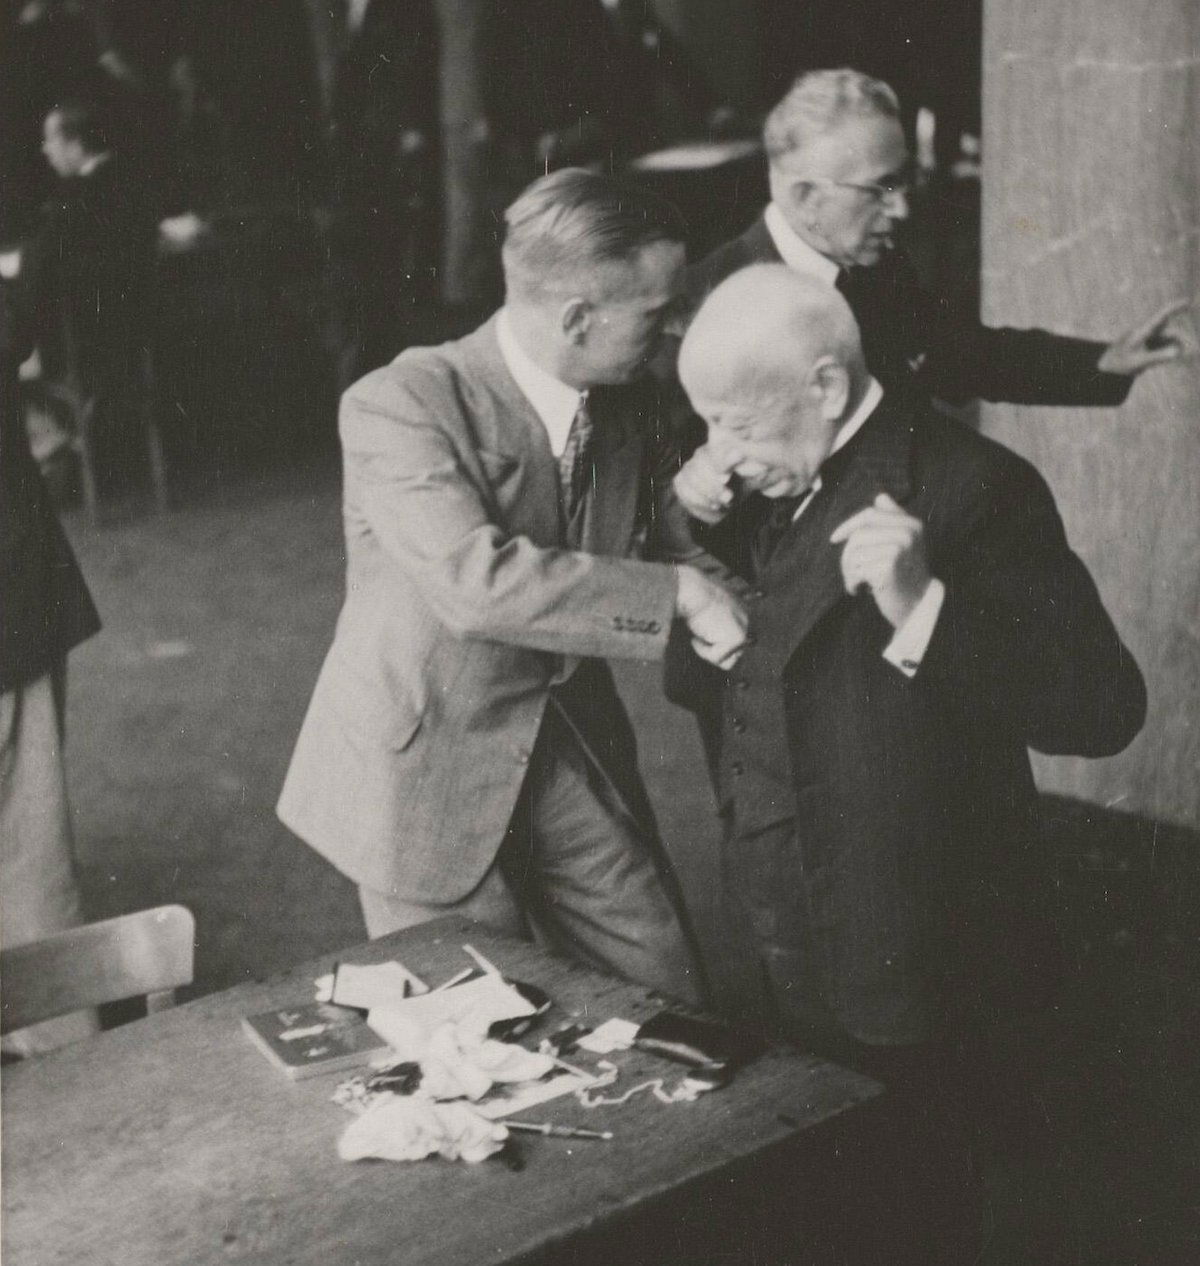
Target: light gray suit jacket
[462,610]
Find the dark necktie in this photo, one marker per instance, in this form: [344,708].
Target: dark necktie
[782,514]
[574,464]
[776,524]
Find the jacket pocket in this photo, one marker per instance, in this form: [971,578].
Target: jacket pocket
[389,717]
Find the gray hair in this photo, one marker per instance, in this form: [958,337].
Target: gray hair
[821,100]
[575,221]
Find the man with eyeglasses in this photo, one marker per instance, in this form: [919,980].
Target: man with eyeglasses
[839,171]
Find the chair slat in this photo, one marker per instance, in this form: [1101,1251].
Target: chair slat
[150,952]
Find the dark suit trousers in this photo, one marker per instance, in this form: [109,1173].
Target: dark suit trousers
[578,871]
[959,1159]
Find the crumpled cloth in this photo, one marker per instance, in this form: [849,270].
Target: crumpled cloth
[460,1062]
[412,1128]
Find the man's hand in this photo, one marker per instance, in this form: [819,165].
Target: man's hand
[885,551]
[716,619]
[702,486]
[1162,338]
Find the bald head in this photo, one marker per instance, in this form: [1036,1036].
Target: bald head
[774,365]
[761,332]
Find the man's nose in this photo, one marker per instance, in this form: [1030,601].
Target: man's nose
[896,204]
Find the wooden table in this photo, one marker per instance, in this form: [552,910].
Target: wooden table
[173,1140]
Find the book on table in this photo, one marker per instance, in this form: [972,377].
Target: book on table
[312,1038]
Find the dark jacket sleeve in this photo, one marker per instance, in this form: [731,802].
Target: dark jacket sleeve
[1023,639]
[957,357]
[45,607]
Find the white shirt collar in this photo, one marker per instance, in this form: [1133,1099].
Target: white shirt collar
[795,251]
[846,432]
[854,423]
[553,401]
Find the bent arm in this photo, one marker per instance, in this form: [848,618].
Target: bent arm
[960,358]
[424,498]
[1023,636]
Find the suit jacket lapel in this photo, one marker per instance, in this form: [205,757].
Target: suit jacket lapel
[616,462]
[507,425]
[880,463]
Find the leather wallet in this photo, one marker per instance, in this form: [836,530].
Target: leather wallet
[713,1048]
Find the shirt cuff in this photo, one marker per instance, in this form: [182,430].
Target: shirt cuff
[909,643]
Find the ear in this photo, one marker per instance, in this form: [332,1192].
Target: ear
[575,318]
[830,383]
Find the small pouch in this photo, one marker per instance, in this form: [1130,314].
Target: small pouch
[713,1049]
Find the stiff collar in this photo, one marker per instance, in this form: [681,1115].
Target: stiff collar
[553,401]
[854,423]
[795,251]
[846,432]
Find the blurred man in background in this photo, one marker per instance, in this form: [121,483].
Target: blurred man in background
[45,610]
[86,275]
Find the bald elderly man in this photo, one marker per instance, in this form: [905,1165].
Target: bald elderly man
[917,622]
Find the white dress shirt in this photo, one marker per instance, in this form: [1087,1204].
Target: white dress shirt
[910,641]
[553,401]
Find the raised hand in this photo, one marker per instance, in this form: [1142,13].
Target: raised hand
[885,551]
[702,486]
[1164,337]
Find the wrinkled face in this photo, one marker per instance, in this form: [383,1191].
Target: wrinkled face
[628,320]
[846,193]
[65,154]
[775,447]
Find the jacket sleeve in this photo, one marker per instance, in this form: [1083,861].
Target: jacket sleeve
[1023,639]
[960,358]
[414,477]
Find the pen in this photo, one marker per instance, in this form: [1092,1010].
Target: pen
[456,980]
[557,1131]
[485,964]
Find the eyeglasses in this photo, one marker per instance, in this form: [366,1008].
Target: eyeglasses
[890,187]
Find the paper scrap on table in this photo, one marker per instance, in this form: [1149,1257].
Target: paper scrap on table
[407,1026]
[367,985]
[612,1035]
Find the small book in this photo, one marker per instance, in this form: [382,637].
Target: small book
[313,1038]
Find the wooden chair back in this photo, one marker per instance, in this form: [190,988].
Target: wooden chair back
[150,952]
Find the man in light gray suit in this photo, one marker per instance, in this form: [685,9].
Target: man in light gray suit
[465,749]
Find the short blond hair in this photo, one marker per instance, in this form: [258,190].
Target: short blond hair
[576,221]
[820,101]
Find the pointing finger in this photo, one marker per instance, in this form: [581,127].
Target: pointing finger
[1161,317]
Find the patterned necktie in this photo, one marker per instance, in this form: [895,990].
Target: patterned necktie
[574,464]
